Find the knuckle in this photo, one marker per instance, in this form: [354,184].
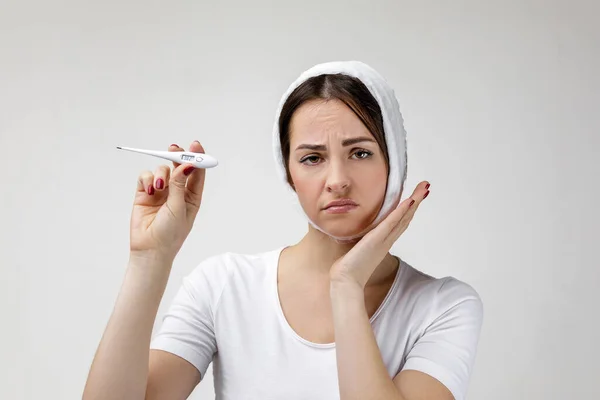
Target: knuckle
[146,176]
[177,183]
[193,197]
[162,170]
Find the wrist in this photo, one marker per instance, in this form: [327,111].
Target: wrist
[152,265]
[346,288]
[148,274]
[149,259]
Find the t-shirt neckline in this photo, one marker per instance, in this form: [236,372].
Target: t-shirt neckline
[274,266]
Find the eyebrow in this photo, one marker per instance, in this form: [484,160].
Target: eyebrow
[346,142]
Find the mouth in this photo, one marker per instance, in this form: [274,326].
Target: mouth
[340,206]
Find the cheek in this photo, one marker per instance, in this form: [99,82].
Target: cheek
[306,187]
[372,175]
[377,181]
[373,187]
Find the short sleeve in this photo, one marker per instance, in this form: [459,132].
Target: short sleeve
[447,348]
[187,328]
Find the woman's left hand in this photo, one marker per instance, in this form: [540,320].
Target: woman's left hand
[356,266]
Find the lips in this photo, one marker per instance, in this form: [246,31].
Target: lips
[341,202]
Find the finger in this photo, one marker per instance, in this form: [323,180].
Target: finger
[145,182]
[408,209]
[177,196]
[161,177]
[175,147]
[420,193]
[404,207]
[393,221]
[195,183]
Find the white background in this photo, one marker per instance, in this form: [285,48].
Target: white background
[501,103]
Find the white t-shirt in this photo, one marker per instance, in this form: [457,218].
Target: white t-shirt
[227,311]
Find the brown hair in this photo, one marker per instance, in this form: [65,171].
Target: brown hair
[350,90]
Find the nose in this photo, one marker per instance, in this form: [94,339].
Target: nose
[337,178]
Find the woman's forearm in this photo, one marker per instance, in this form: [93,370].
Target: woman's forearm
[362,375]
[120,366]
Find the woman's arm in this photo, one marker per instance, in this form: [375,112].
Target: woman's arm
[362,374]
[438,365]
[121,368]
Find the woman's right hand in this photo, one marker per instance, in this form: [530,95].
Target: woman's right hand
[165,208]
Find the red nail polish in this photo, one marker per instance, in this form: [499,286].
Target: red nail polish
[174,145]
[150,190]
[159,183]
[426,194]
[411,203]
[427,187]
[188,170]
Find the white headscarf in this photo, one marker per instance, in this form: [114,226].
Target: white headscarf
[393,125]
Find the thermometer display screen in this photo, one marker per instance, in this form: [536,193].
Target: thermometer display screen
[187,158]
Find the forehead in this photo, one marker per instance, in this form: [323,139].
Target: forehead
[316,119]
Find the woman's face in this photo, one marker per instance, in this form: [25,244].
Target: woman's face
[333,156]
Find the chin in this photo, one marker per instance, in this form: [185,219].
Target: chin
[343,227]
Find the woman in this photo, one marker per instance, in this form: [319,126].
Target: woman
[332,316]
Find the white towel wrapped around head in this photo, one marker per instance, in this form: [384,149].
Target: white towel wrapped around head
[393,125]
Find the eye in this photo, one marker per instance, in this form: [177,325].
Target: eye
[313,157]
[366,154]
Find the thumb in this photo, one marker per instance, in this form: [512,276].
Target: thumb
[177,186]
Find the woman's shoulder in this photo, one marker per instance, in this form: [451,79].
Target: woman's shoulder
[224,264]
[438,293]
[232,257]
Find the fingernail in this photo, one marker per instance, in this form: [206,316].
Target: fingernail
[427,187]
[174,145]
[195,141]
[411,203]
[188,170]
[150,190]
[426,194]
[159,183]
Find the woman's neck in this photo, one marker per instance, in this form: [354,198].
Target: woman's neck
[316,252]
